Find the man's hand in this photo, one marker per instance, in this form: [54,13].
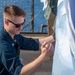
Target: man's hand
[47,49]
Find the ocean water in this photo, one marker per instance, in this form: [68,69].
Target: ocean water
[26,6]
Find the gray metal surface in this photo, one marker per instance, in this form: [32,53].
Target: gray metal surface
[28,56]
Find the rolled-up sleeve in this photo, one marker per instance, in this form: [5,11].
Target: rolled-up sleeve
[28,43]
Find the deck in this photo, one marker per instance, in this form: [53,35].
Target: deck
[28,56]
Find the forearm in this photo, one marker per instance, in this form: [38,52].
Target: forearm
[30,68]
[47,39]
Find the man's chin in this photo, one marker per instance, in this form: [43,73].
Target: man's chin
[17,33]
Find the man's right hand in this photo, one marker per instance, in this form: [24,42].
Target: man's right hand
[47,49]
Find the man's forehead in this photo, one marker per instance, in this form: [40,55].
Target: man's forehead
[19,19]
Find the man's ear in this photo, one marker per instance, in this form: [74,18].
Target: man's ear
[6,22]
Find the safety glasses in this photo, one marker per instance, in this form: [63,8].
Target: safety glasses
[17,25]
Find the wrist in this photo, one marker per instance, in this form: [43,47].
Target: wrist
[44,57]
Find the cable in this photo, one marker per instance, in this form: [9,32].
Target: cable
[32,19]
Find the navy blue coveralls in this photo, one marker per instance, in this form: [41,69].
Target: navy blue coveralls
[10,50]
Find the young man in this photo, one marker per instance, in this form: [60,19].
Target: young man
[11,42]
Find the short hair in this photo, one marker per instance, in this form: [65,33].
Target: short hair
[13,10]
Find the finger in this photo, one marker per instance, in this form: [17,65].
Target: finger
[48,46]
[44,44]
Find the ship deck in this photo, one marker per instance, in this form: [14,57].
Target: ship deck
[28,56]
